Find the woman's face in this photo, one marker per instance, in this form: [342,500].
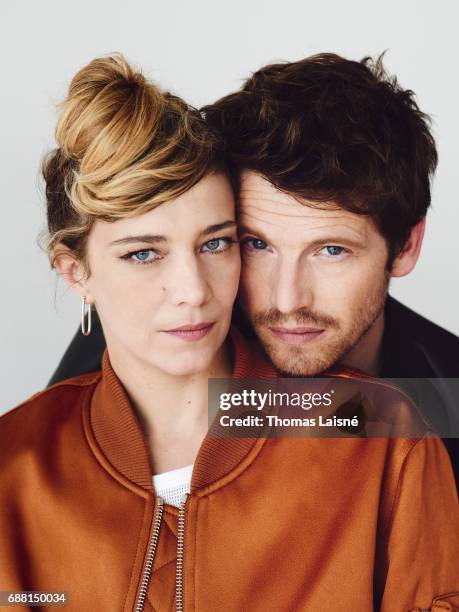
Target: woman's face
[164,283]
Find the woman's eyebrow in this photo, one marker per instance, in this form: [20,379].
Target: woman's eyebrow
[211,229]
[150,238]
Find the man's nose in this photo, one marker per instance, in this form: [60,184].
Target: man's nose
[186,282]
[290,287]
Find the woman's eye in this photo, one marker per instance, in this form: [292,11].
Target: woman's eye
[142,257]
[333,251]
[216,245]
[256,244]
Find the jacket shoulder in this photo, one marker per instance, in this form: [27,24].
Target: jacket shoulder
[35,422]
[417,326]
[439,347]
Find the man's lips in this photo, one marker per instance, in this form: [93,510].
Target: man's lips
[296,335]
[190,332]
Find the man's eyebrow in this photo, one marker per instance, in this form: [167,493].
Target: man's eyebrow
[330,239]
[245,229]
[337,239]
[149,238]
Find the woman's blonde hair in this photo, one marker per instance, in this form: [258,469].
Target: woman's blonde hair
[124,147]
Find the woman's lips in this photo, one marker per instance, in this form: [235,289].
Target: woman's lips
[296,335]
[190,333]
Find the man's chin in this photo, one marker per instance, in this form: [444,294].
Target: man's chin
[298,361]
[298,366]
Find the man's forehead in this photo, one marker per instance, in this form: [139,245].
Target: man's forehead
[260,201]
[253,186]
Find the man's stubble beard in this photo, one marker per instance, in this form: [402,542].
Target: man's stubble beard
[312,359]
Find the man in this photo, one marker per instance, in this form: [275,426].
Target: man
[333,161]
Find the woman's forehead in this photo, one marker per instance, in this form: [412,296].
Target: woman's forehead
[210,203]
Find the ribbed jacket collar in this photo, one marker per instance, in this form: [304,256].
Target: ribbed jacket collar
[122,441]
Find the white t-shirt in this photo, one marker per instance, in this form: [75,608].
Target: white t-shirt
[172,485]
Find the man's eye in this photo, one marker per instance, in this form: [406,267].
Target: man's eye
[334,251]
[216,245]
[256,243]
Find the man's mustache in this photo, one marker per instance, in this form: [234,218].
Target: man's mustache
[301,316]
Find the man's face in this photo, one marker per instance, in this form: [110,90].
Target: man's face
[313,281]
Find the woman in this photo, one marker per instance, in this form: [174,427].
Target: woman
[141,220]
[141,224]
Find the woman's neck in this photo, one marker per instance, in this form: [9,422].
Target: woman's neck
[172,410]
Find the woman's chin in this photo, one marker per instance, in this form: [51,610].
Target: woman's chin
[188,359]
[185,368]
[186,363]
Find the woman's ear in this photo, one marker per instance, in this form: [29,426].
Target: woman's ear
[71,270]
[407,258]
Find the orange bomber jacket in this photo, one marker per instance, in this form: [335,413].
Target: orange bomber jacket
[271,524]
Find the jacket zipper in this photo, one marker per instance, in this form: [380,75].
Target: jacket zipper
[151,556]
[180,550]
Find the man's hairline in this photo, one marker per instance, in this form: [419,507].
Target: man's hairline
[300,199]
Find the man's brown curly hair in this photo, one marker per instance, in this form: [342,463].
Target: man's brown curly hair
[330,129]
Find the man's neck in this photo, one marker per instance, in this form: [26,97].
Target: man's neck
[366,355]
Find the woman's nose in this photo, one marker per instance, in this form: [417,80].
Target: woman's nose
[186,283]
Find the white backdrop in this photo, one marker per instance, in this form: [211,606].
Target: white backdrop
[201,50]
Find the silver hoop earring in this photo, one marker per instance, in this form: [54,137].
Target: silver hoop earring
[85,330]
